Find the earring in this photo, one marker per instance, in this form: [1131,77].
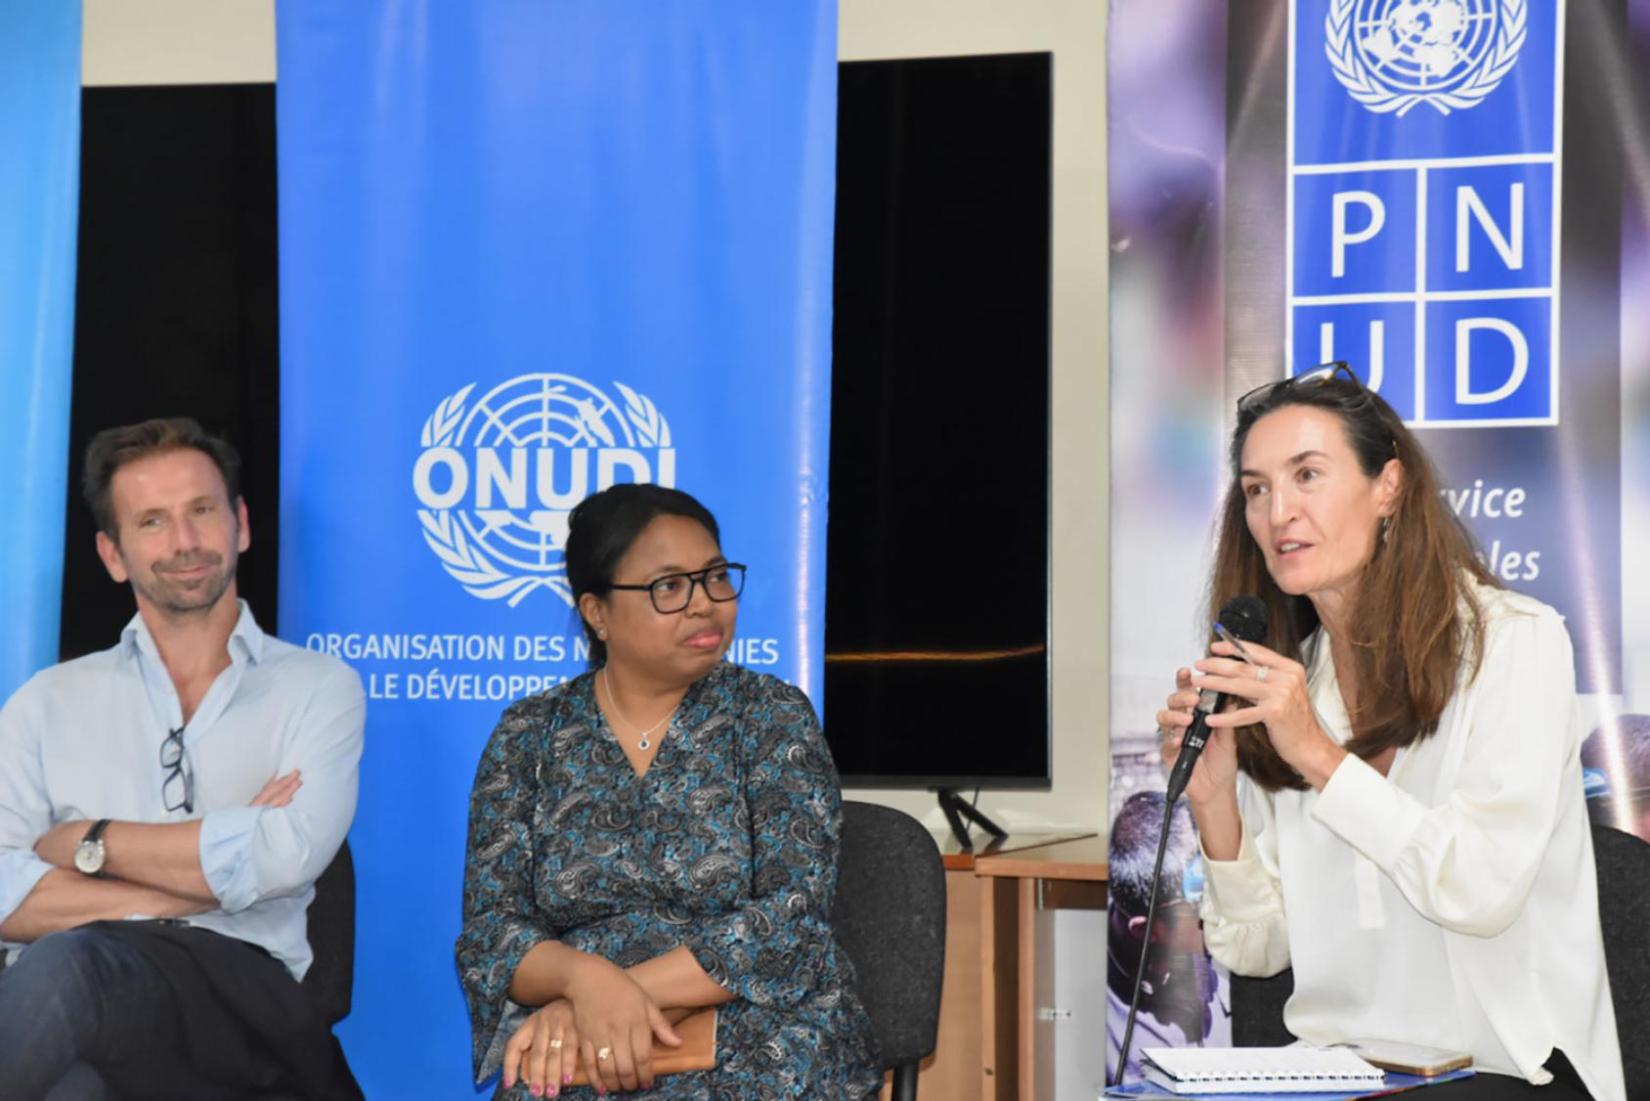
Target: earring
[602,635]
[1386,528]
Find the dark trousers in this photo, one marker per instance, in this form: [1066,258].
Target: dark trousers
[1565,1086]
[135,1010]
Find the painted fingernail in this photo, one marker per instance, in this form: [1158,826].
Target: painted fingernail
[567,1079]
[537,1091]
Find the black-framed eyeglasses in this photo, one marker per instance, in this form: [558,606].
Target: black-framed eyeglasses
[177,791]
[673,592]
[1264,393]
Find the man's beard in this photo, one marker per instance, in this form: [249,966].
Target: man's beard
[180,598]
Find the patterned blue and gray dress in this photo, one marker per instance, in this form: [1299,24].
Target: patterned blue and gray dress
[727,845]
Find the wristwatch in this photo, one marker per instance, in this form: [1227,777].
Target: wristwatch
[89,854]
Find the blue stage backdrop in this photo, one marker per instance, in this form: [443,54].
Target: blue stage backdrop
[529,249]
[39,201]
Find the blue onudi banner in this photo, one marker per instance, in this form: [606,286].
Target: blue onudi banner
[39,202]
[1426,209]
[529,249]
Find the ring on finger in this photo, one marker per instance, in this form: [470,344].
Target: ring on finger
[1260,674]
[604,1053]
[555,1045]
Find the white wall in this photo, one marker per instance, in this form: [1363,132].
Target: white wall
[178,42]
[210,41]
[1075,31]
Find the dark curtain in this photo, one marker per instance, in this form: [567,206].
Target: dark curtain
[175,309]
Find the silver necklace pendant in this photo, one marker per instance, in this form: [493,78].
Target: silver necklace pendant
[642,740]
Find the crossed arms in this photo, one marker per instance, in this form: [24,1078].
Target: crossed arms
[151,868]
[274,845]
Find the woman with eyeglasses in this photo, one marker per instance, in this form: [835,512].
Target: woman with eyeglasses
[657,836]
[1392,804]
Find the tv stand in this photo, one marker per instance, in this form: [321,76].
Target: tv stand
[956,809]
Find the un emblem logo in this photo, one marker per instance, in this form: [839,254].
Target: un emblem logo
[1448,54]
[498,475]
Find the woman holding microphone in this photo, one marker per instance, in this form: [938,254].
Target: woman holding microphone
[1392,804]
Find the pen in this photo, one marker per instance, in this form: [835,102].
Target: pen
[1233,639]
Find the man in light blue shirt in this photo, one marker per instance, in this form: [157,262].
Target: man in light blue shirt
[200,775]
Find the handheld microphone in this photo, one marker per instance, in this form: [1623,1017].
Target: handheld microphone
[1243,617]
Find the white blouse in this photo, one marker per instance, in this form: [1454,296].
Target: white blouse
[1453,902]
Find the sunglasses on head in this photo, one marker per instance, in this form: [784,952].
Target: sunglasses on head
[1264,394]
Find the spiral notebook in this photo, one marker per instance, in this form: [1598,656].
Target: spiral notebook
[1295,1069]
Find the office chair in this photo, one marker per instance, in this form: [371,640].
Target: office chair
[1624,912]
[330,980]
[889,916]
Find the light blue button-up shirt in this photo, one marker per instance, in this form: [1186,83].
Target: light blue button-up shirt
[82,740]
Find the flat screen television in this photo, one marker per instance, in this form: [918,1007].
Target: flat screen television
[937,561]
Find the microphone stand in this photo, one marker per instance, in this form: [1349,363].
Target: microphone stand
[1146,943]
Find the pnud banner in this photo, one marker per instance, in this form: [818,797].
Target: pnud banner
[1449,195]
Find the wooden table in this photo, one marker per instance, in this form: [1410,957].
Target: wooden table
[1069,874]
[989,1041]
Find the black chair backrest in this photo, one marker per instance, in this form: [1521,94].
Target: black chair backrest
[330,979]
[1257,1010]
[1624,912]
[889,916]
[1623,862]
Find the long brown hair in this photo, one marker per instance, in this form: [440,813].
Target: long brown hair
[1414,619]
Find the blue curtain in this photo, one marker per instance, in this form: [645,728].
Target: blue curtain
[39,201]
